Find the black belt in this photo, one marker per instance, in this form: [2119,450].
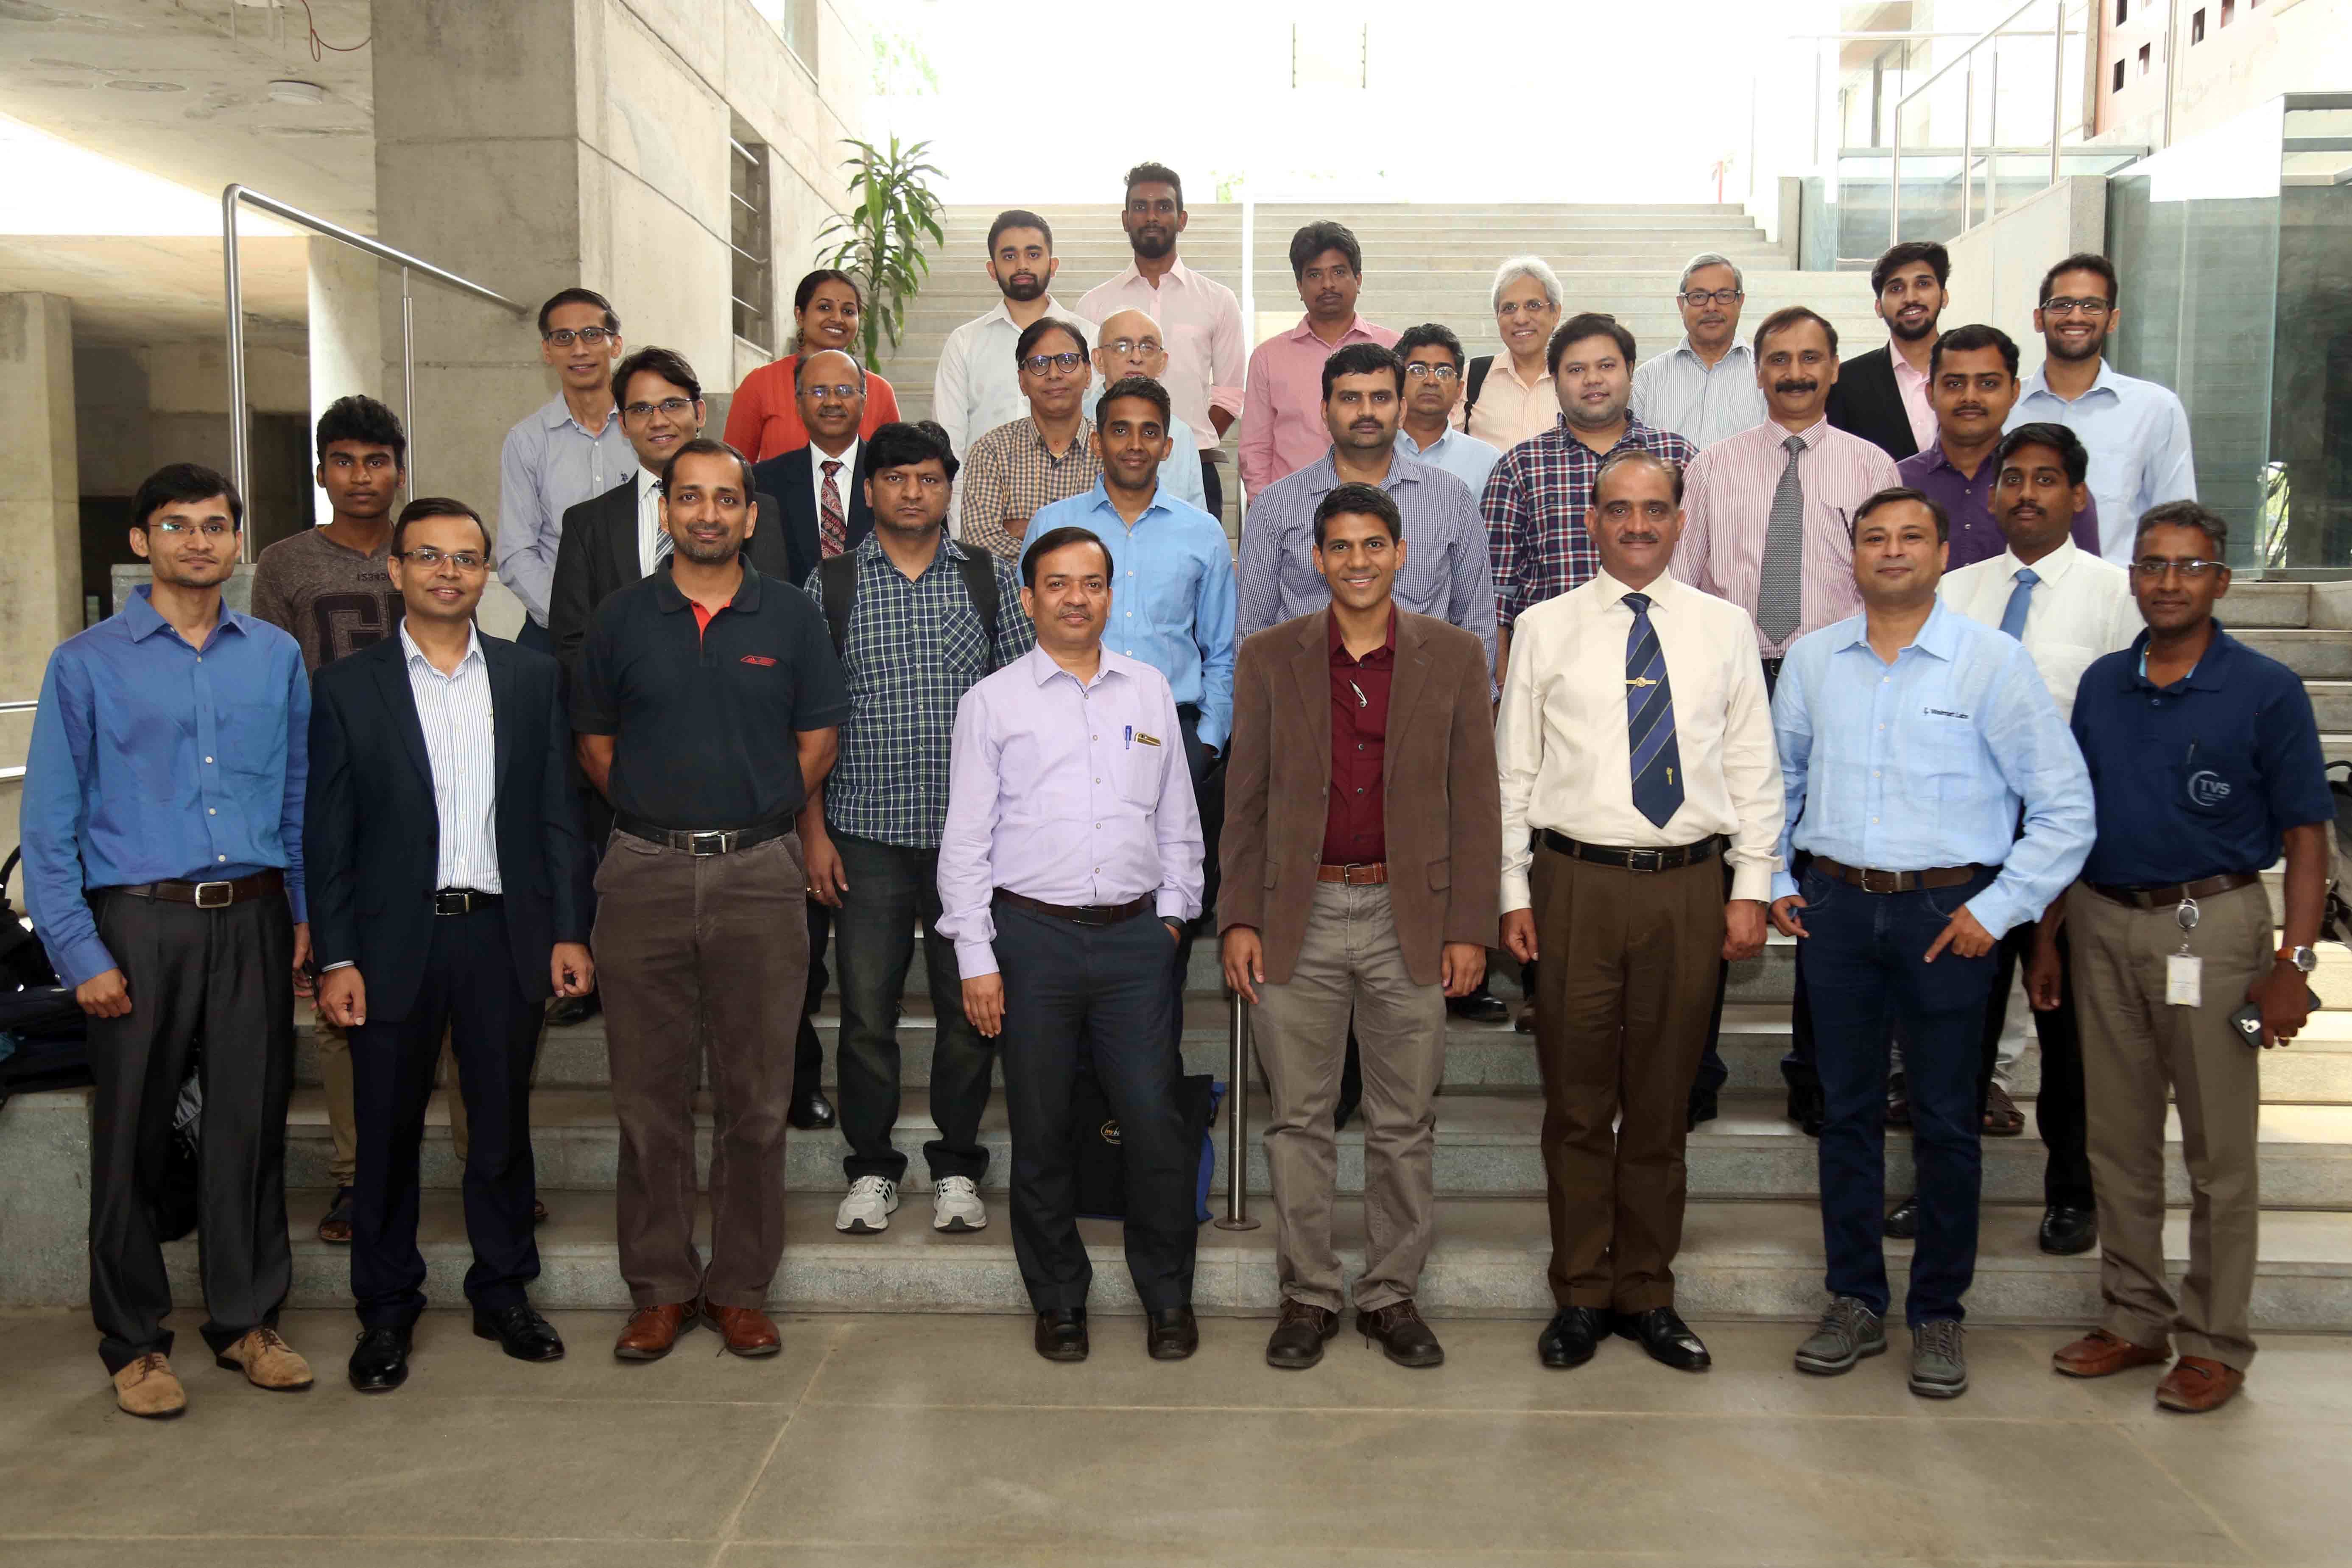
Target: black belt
[1871,880]
[462,901]
[1082,914]
[695,841]
[2166,897]
[1672,859]
[205,895]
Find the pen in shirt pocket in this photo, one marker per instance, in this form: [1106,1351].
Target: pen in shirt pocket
[1131,738]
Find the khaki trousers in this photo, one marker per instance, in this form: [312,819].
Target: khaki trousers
[2133,1048]
[1350,962]
[335,1084]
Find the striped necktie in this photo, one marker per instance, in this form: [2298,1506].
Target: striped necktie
[832,527]
[1780,593]
[2021,599]
[1650,719]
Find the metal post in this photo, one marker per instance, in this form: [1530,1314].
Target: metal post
[1967,141]
[1895,182]
[1993,139]
[1237,1119]
[240,445]
[408,375]
[2057,84]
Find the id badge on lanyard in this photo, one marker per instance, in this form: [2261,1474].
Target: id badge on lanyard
[2184,971]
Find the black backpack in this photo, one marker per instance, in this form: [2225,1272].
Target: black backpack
[42,1028]
[838,581]
[1472,384]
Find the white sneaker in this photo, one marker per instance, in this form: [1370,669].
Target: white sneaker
[871,1202]
[956,1206]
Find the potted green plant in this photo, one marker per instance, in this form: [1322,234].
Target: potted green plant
[881,237]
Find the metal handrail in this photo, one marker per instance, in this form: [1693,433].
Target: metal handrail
[240,438]
[1966,59]
[1236,1216]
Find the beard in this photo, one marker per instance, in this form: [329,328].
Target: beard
[706,555]
[2057,348]
[1025,287]
[1152,243]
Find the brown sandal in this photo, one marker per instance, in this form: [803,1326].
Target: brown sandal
[335,1228]
[2002,1119]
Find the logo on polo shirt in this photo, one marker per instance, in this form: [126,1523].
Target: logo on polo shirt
[760,658]
[2207,787]
[1943,713]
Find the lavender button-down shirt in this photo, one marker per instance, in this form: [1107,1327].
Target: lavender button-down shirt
[1066,793]
[1968,501]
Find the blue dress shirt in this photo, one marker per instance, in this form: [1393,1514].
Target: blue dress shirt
[1465,457]
[1172,596]
[2138,435]
[1925,762]
[154,761]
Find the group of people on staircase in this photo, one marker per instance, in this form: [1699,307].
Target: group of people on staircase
[1606,665]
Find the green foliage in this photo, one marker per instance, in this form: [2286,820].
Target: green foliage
[880,238]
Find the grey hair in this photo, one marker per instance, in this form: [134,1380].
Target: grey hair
[1533,266]
[1711,258]
[800,365]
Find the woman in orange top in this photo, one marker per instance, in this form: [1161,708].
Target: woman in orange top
[765,418]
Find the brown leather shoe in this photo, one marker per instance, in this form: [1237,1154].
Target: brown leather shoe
[651,1331]
[2103,1354]
[149,1388]
[1398,1330]
[268,1362]
[746,1330]
[2196,1385]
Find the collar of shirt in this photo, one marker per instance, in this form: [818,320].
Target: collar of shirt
[1041,668]
[1936,635]
[1323,474]
[1078,443]
[1508,369]
[1935,460]
[2050,570]
[1662,591]
[1902,371]
[2210,673]
[1736,351]
[1003,313]
[1630,436]
[819,457]
[1412,448]
[1338,645]
[1304,332]
[1777,434]
[558,414]
[1177,273]
[2104,381]
[415,655]
[1098,501]
[142,620]
[669,598]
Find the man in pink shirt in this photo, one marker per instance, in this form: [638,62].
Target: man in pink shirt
[1881,396]
[1282,408]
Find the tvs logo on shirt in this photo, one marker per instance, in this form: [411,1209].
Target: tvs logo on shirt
[761,660]
[2207,787]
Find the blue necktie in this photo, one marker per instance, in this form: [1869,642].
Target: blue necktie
[2020,598]
[1650,719]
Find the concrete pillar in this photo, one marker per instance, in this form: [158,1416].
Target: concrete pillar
[346,334]
[40,511]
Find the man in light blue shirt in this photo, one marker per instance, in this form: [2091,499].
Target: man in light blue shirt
[1705,387]
[572,449]
[2136,430]
[1913,742]
[1433,385]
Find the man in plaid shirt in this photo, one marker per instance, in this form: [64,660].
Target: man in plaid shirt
[916,640]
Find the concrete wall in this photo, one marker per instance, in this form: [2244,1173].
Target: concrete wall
[2278,47]
[1997,267]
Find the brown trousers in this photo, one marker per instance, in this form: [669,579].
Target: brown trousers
[722,939]
[1623,994]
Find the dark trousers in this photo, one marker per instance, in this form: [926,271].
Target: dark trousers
[2059,1108]
[1864,959]
[808,1051]
[892,887]
[1213,484]
[223,976]
[1093,997]
[1209,799]
[470,991]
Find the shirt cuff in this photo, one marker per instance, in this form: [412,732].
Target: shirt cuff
[85,961]
[1172,902]
[1783,885]
[1517,892]
[297,899]
[340,964]
[1752,881]
[1214,739]
[1994,910]
[974,959]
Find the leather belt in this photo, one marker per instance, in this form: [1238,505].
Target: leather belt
[462,901]
[1672,859]
[1082,914]
[694,841]
[1896,881]
[1369,873]
[2166,897]
[207,895]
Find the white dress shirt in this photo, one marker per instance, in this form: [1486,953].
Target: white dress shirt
[1701,404]
[2138,435]
[460,741]
[845,477]
[978,387]
[1560,733]
[2082,608]
[649,523]
[1201,326]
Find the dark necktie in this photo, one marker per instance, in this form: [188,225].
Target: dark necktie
[1650,719]
[833,529]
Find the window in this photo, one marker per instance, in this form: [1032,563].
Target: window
[2196,25]
[749,238]
[795,22]
[2119,76]
[2123,12]
[2229,11]
[2143,60]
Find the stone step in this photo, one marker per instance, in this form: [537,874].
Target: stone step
[2316,655]
[1739,1260]
[2331,705]
[2255,603]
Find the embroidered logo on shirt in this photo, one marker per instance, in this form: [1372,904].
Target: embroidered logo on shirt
[1945,713]
[760,658]
[2207,787]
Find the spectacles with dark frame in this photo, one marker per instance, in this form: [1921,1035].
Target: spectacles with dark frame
[1038,364]
[594,336]
[669,408]
[1698,299]
[425,558]
[2153,568]
[2065,306]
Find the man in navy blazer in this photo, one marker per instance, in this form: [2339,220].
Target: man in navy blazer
[830,391]
[449,895]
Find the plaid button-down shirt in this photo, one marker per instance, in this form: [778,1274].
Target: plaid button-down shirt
[1535,504]
[915,647]
[1009,474]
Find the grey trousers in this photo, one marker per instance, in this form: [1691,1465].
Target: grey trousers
[1351,961]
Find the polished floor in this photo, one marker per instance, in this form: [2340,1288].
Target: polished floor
[879,1440]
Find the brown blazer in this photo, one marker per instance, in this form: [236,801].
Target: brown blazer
[1442,803]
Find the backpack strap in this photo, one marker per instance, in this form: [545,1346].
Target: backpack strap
[979,570]
[836,578]
[1472,384]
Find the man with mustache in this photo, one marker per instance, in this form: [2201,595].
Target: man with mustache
[1044,455]
[1972,372]
[1132,345]
[978,386]
[2136,432]
[1883,395]
[1704,388]
[1282,426]
[1768,520]
[1198,320]
[561,455]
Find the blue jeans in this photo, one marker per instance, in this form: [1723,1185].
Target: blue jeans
[1863,963]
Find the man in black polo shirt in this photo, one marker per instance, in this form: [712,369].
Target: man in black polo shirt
[707,709]
[2205,762]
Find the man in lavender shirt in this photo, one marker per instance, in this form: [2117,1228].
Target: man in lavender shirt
[1972,385]
[1071,852]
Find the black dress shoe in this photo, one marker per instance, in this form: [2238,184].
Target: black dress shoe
[1481,1005]
[1904,1223]
[379,1365]
[810,1112]
[1662,1332]
[521,1332]
[2066,1230]
[1172,1335]
[1298,1339]
[1571,1337]
[1398,1330]
[1805,1110]
[1702,1109]
[569,1011]
[1062,1335]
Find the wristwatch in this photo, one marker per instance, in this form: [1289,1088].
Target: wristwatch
[2302,958]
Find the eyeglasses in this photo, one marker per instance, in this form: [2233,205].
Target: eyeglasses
[668,408]
[565,337]
[425,558]
[1038,364]
[840,391]
[1124,346]
[1701,297]
[182,530]
[1532,307]
[2062,307]
[1421,371]
[2153,567]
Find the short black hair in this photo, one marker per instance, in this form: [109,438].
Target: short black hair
[1910,253]
[1625,455]
[2084,261]
[1051,539]
[1316,238]
[1038,328]
[1144,387]
[666,364]
[1895,494]
[1150,174]
[1358,501]
[1432,335]
[563,296]
[1587,324]
[800,365]
[1019,218]
[362,419]
[2186,515]
[2068,445]
[903,443]
[425,506]
[184,482]
[1789,316]
[703,446]
[1362,359]
[1969,339]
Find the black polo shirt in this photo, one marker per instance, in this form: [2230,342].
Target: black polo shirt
[702,719]
[2201,777]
